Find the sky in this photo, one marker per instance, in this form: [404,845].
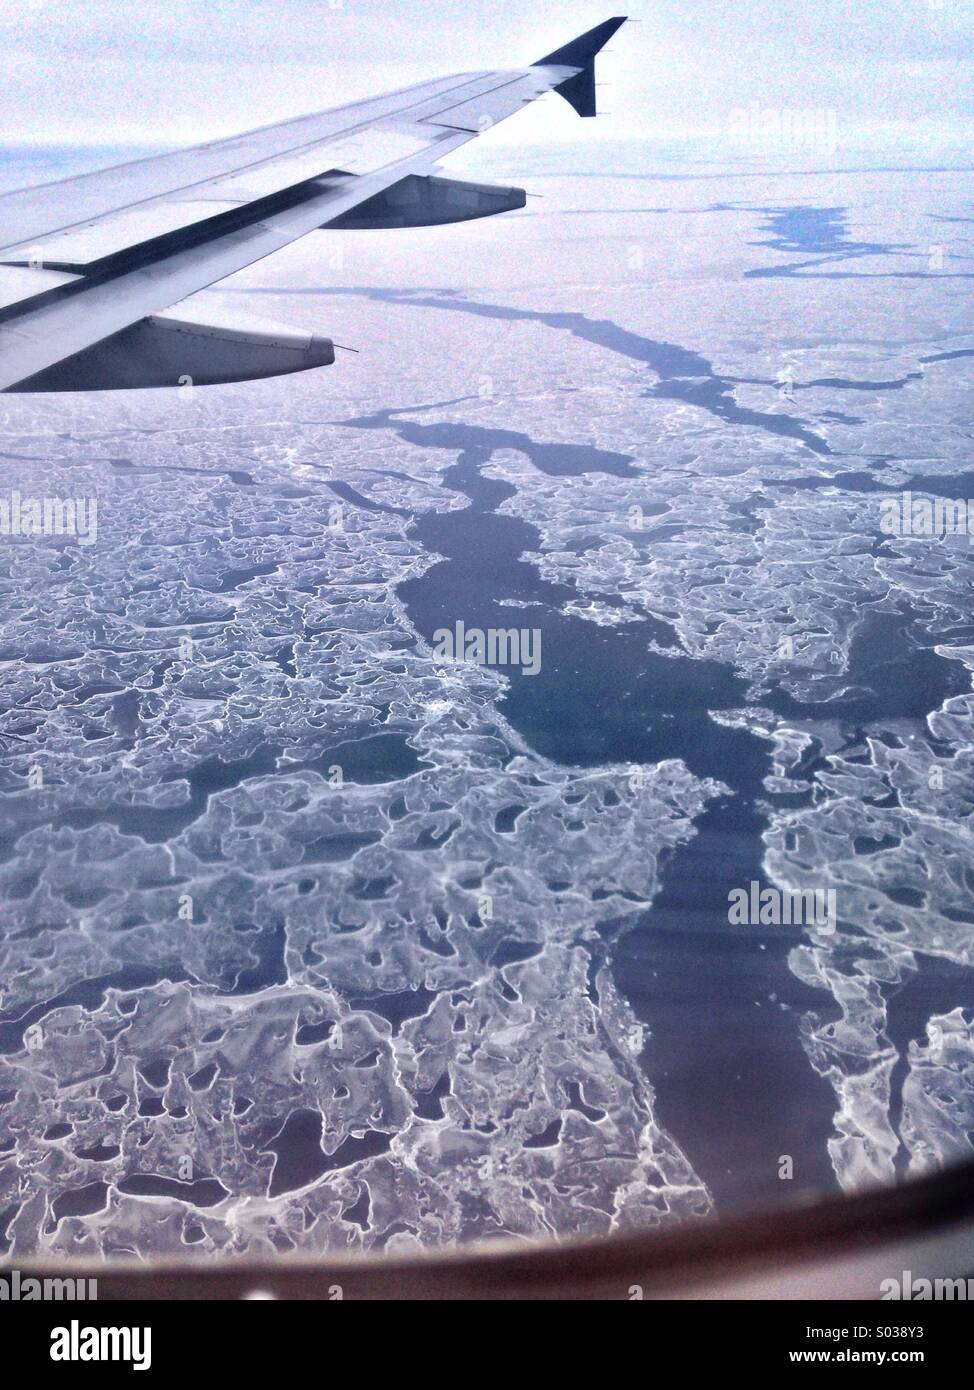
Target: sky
[173,72]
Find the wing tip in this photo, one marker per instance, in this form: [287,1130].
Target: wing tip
[582,50]
[579,89]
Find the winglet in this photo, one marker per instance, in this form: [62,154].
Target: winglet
[579,90]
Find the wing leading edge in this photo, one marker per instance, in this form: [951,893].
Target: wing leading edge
[91,268]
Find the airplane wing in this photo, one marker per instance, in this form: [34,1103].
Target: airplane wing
[93,270]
